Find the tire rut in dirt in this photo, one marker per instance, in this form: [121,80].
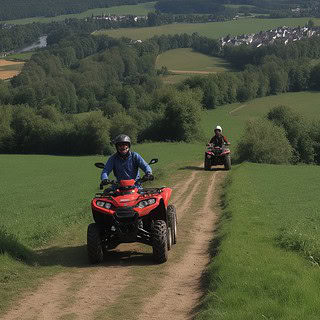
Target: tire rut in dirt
[172,218]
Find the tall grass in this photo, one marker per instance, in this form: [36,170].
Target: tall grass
[253,277]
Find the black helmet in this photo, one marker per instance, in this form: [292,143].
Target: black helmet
[122,138]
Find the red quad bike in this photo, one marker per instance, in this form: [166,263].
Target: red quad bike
[126,213]
[215,155]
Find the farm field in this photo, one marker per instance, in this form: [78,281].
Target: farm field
[210,30]
[185,59]
[9,69]
[183,63]
[140,9]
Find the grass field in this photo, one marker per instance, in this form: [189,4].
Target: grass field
[9,69]
[252,277]
[184,62]
[186,59]
[236,6]
[24,56]
[140,9]
[210,30]
[234,116]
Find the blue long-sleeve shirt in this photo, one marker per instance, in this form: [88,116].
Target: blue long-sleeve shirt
[125,169]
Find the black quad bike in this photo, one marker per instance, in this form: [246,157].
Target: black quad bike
[215,155]
[127,213]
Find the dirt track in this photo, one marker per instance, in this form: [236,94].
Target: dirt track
[128,285]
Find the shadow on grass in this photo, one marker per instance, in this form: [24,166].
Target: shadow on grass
[194,168]
[76,257]
[10,245]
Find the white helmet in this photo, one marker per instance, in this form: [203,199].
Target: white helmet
[218,128]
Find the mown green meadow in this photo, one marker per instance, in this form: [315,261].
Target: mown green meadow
[140,9]
[185,59]
[184,62]
[210,30]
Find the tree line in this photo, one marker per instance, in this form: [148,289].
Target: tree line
[115,80]
[111,84]
[20,9]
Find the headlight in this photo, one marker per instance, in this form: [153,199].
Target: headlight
[103,204]
[100,203]
[108,205]
[145,203]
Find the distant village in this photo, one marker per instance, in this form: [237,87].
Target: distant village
[264,38]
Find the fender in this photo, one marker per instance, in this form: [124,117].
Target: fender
[166,194]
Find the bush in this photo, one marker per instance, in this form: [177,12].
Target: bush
[295,128]
[264,142]
[182,116]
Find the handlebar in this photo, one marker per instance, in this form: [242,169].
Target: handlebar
[147,177]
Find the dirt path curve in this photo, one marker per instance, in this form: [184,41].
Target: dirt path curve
[237,109]
[87,291]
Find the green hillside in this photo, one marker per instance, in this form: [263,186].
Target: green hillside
[210,30]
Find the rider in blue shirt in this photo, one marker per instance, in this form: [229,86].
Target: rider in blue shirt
[124,163]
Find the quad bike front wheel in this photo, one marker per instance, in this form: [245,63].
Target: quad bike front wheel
[172,218]
[227,162]
[94,245]
[207,164]
[159,241]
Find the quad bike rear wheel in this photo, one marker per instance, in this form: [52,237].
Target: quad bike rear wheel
[172,218]
[227,162]
[159,241]
[94,245]
[207,164]
[169,235]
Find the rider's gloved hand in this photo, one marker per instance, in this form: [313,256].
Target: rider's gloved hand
[148,177]
[103,183]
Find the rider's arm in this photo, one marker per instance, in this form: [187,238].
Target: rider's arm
[211,140]
[107,169]
[142,164]
[225,140]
